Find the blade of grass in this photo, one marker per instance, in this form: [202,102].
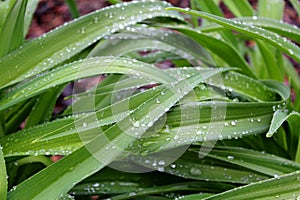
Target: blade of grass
[16,115]
[72,168]
[114,1]
[191,166]
[258,33]
[44,139]
[73,8]
[278,119]
[284,187]
[239,7]
[30,9]
[84,31]
[75,70]
[208,6]
[271,9]
[3,178]
[273,165]
[100,183]
[13,29]
[5,8]
[274,72]
[185,186]
[44,106]
[168,38]
[296,6]
[220,48]
[276,26]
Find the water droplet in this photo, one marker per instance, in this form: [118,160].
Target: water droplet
[71,169]
[157,100]
[84,124]
[96,184]
[291,52]
[230,157]
[136,124]
[173,166]
[233,123]
[195,171]
[161,162]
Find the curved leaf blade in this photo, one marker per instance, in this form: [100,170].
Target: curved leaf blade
[72,168]
[82,69]
[53,48]
[281,43]
[284,187]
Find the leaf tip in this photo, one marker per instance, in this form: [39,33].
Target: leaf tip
[269,134]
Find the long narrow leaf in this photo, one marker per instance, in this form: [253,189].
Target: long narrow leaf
[239,7]
[30,9]
[284,187]
[83,69]
[12,29]
[72,168]
[3,178]
[54,48]
[252,31]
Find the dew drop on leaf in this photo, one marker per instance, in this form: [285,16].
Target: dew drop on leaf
[195,171]
[230,157]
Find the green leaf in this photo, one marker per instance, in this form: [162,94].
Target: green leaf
[53,48]
[30,9]
[276,26]
[17,114]
[43,108]
[279,118]
[171,41]
[255,32]
[12,32]
[114,1]
[271,9]
[273,70]
[283,187]
[48,138]
[5,8]
[239,7]
[273,165]
[184,186]
[296,6]
[111,181]
[208,6]
[3,178]
[82,69]
[220,48]
[101,150]
[73,8]
[192,165]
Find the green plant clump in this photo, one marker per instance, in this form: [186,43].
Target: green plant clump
[181,103]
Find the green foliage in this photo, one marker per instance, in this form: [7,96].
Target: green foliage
[197,108]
